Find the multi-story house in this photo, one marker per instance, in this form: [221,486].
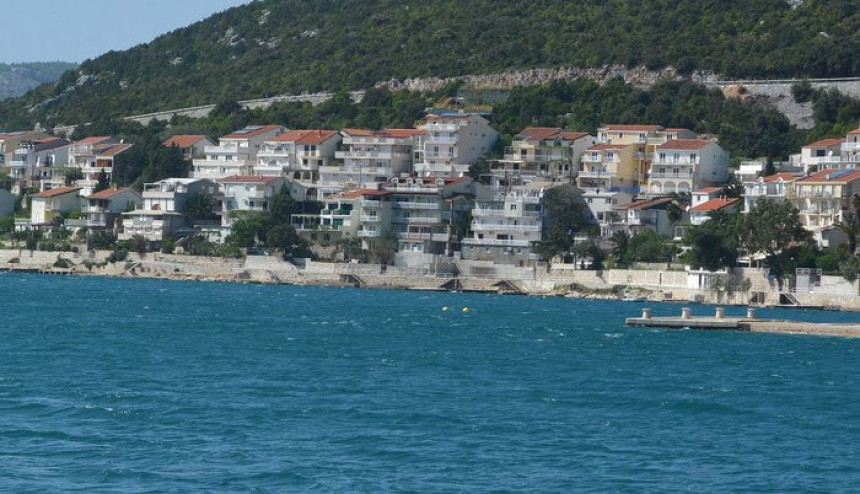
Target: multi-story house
[369,158]
[235,154]
[423,209]
[9,142]
[47,207]
[103,209]
[162,214]
[363,214]
[94,156]
[851,147]
[774,187]
[192,146]
[247,193]
[610,167]
[299,155]
[646,138]
[683,165]
[452,143]
[505,226]
[825,154]
[638,216]
[824,197]
[36,163]
[545,153]
[701,213]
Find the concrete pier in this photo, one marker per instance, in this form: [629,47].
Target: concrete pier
[750,324]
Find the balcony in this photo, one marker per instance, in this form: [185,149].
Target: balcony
[851,147]
[595,174]
[675,176]
[488,212]
[364,218]
[497,243]
[373,141]
[367,153]
[440,127]
[435,237]
[481,226]
[416,205]
[429,140]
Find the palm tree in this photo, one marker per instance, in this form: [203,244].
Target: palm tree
[851,228]
[620,243]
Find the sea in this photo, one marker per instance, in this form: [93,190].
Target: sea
[123,385]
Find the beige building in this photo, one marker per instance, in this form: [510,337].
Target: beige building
[542,153]
[823,198]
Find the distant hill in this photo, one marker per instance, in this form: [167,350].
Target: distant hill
[291,46]
[18,78]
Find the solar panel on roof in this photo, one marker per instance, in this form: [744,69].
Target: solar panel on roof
[840,173]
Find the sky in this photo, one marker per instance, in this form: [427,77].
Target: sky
[75,30]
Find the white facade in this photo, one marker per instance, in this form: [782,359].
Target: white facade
[298,155]
[47,206]
[545,153]
[684,165]
[452,143]
[247,194]
[34,163]
[369,158]
[505,227]
[235,154]
[774,187]
[824,154]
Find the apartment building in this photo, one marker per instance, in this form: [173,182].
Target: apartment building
[542,153]
[453,142]
[94,156]
[102,210]
[822,198]
[47,207]
[192,146]
[370,157]
[247,193]
[684,165]
[505,226]
[824,154]
[162,213]
[38,163]
[774,187]
[299,155]
[363,214]
[235,154]
[640,215]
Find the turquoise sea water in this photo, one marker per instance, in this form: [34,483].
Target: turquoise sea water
[142,385]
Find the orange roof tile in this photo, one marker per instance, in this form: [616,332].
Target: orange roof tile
[715,204]
[107,193]
[602,147]
[707,190]
[645,204]
[183,141]
[114,149]
[785,176]
[355,194]
[824,143]
[305,136]
[855,131]
[56,192]
[91,140]
[832,175]
[631,128]
[685,144]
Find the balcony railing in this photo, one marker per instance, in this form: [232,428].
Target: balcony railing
[496,243]
[505,226]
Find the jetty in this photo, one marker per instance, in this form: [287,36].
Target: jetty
[750,323]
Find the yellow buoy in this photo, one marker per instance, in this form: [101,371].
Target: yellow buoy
[466,309]
[445,309]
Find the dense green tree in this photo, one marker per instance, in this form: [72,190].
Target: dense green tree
[770,226]
[564,215]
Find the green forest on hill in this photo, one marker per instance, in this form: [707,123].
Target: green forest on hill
[289,46]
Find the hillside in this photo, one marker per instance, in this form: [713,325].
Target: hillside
[291,46]
[18,78]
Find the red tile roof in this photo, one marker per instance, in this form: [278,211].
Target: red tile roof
[685,144]
[842,176]
[355,194]
[56,192]
[107,193]
[385,133]
[400,133]
[92,140]
[183,141]
[631,128]
[855,131]
[645,204]
[572,136]
[305,136]
[251,179]
[785,176]
[707,190]
[114,150]
[539,133]
[824,143]
[715,204]
[252,131]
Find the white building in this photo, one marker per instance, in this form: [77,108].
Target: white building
[235,154]
[684,165]
[452,143]
[192,146]
[102,209]
[774,187]
[824,154]
[505,227]
[36,164]
[247,193]
[701,213]
[48,206]
[161,215]
[94,156]
[545,153]
[369,158]
[851,147]
[299,155]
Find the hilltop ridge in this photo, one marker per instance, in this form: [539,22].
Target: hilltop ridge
[291,46]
